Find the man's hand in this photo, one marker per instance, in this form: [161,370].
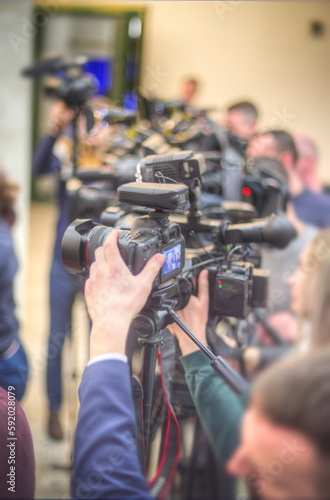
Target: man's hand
[114,296]
[195,316]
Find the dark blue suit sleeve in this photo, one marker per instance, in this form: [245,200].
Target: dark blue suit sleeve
[105,461]
[44,162]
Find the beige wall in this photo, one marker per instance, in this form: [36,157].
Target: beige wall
[257,50]
[242,49]
[15,120]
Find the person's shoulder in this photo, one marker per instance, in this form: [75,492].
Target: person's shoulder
[321,198]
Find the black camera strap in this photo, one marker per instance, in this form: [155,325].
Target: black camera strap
[161,483]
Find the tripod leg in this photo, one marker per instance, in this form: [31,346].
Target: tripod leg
[148,380]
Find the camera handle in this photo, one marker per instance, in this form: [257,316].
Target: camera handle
[235,381]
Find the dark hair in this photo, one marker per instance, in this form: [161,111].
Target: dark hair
[246,108]
[284,142]
[193,81]
[295,393]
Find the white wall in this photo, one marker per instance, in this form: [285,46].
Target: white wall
[15,116]
[257,50]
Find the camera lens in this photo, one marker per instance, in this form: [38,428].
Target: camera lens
[79,243]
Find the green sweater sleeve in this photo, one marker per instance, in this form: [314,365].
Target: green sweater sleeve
[219,408]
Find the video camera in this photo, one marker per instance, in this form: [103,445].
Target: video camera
[237,286]
[260,181]
[116,116]
[68,80]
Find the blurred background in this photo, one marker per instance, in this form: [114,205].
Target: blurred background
[275,54]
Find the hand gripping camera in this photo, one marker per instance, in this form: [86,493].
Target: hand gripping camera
[150,234]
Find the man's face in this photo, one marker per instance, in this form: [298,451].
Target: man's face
[238,124]
[307,167]
[276,461]
[188,91]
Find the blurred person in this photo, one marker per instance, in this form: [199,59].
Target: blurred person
[281,263]
[13,361]
[307,163]
[310,293]
[310,207]
[54,155]
[17,463]
[307,324]
[188,90]
[241,120]
[283,450]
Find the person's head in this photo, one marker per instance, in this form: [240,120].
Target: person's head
[277,144]
[189,87]
[241,119]
[307,162]
[285,435]
[310,287]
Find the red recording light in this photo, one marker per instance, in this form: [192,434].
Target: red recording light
[246,191]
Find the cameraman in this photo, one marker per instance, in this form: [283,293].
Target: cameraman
[54,156]
[63,285]
[284,446]
[241,120]
[310,207]
[105,458]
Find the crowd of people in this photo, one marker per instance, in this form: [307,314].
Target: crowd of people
[276,436]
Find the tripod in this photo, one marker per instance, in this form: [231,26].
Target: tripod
[150,327]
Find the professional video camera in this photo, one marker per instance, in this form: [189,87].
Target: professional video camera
[183,167]
[68,80]
[260,181]
[234,290]
[237,286]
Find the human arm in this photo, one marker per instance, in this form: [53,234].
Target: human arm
[43,160]
[105,461]
[219,409]
[105,457]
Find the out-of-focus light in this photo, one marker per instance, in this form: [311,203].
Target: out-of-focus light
[134,27]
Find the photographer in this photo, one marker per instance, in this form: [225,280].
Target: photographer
[63,285]
[286,425]
[54,156]
[105,459]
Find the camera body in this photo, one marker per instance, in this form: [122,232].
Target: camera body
[150,234]
[181,167]
[234,290]
[230,290]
